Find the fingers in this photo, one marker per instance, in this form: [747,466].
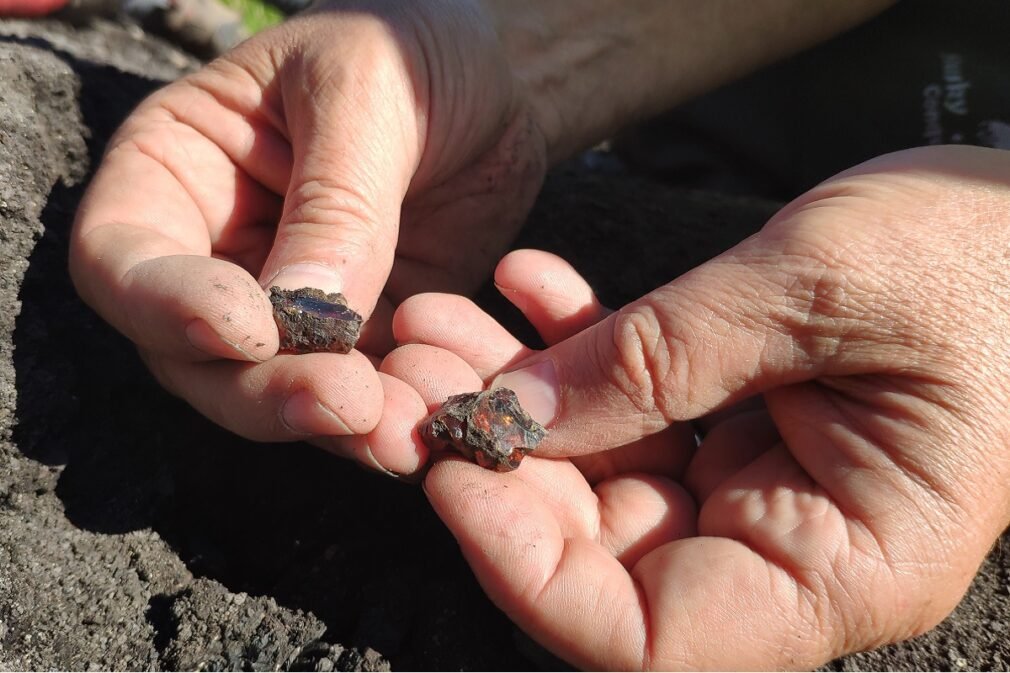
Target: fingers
[170,193]
[457,325]
[287,398]
[354,130]
[674,603]
[549,292]
[166,299]
[533,572]
[531,538]
[433,372]
[552,295]
[752,319]
[197,170]
[403,409]
[728,448]
[417,379]
[436,373]
[192,308]
[394,447]
[559,302]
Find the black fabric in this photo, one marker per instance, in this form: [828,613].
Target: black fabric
[924,72]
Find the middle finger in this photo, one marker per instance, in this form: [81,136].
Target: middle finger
[286,398]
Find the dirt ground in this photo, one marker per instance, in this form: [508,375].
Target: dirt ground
[134,534]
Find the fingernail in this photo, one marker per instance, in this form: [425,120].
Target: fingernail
[302,414]
[338,446]
[202,337]
[306,274]
[536,386]
[363,454]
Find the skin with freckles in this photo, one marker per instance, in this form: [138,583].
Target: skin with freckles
[856,389]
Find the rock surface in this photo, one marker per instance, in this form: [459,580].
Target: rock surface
[136,535]
[489,427]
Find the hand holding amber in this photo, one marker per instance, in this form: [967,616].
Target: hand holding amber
[853,467]
[488,427]
[287,163]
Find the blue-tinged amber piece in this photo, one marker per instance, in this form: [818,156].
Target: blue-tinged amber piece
[311,321]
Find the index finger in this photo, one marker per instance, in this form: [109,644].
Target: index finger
[182,181]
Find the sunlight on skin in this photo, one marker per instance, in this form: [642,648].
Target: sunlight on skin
[559,303]
[797,530]
[625,514]
[571,546]
[288,161]
[353,149]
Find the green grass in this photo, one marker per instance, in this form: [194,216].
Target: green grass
[256,14]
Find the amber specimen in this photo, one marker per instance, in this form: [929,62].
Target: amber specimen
[488,427]
[311,321]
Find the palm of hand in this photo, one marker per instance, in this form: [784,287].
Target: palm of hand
[781,538]
[613,546]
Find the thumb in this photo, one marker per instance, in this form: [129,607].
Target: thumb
[747,321]
[355,143]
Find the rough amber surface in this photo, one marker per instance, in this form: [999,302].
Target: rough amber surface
[311,321]
[488,427]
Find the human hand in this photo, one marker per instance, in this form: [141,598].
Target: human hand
[372,148]
[849,510]
[379,149]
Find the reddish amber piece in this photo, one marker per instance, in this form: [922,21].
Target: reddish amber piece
[488,427]
[311,321]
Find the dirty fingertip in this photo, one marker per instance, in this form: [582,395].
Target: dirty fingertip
[205,339]
[395,446]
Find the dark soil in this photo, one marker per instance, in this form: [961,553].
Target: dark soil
[134,534]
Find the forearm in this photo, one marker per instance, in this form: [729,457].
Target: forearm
[593,66]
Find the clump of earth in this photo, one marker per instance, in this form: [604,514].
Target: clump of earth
[134,534]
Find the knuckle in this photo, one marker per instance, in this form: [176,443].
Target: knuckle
[650,363]
[324,215]
[819,310]
[816,293]
[329,203]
